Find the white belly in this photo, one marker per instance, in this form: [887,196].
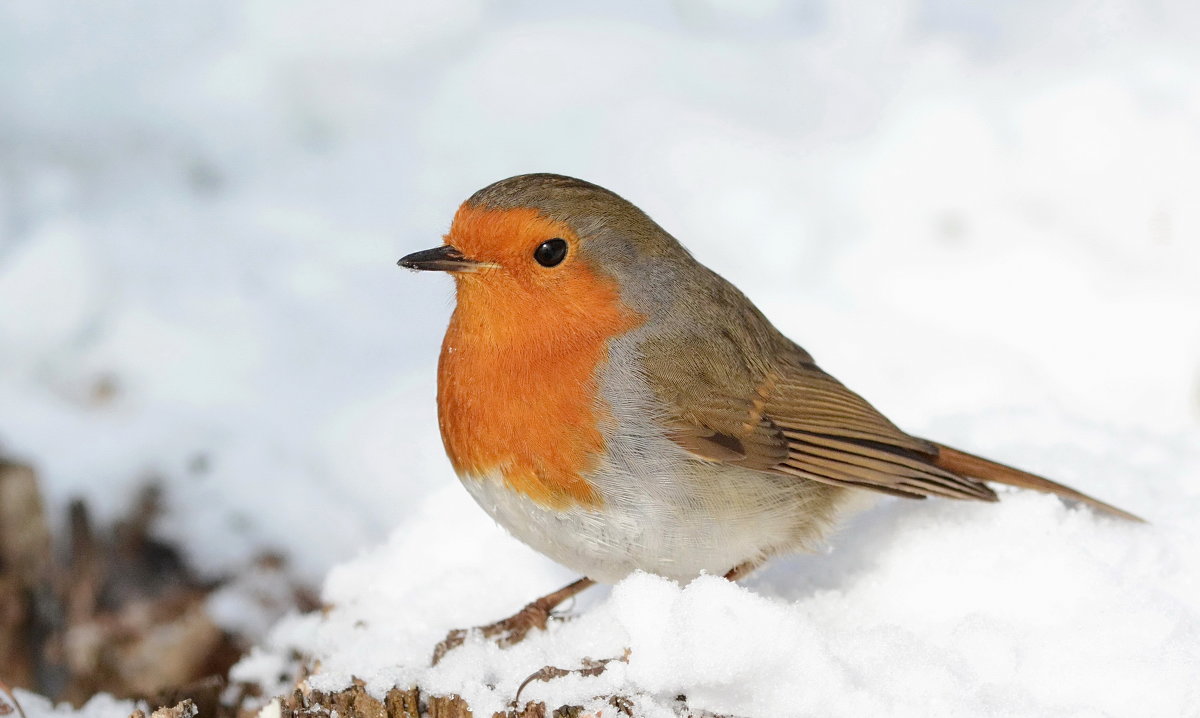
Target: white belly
[701,518]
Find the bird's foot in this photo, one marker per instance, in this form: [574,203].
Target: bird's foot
[507,632]
[512,630]
[588,667]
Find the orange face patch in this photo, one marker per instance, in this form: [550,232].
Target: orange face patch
[517,389]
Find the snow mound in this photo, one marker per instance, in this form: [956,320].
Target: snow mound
[1027,607]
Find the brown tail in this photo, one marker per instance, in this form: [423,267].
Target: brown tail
[960,462]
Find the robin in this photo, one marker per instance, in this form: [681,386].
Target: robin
[618,406]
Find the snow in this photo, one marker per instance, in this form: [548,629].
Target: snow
[100,705]
[1025,608]
[251,602]
[982,218]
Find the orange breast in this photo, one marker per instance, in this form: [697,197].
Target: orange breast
[517,379]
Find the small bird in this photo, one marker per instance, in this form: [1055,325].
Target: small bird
[618,406]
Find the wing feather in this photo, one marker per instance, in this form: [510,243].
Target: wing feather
[802,422]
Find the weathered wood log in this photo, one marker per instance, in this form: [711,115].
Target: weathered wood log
[182,709]
[24,569]
[356,702]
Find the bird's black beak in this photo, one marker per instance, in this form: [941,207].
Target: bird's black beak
[445,258]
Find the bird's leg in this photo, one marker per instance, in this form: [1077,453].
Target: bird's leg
[512,630]
[742,570]
[590,667]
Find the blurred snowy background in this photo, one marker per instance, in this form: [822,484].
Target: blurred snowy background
[984,218]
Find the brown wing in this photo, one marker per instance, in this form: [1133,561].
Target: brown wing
[802,422]
[743,394]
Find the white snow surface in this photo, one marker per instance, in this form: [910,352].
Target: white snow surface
[1025,608]
[100,705]
[982,218]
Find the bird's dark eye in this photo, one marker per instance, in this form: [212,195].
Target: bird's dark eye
[551,252]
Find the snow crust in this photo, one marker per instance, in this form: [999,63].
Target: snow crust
[1025,608]
[100,705]
[983,219]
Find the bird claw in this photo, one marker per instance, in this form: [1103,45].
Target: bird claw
[453,640]
[507,632]
[588,667]
[513,629]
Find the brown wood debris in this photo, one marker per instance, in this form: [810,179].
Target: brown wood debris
[110,609]
[183,709]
